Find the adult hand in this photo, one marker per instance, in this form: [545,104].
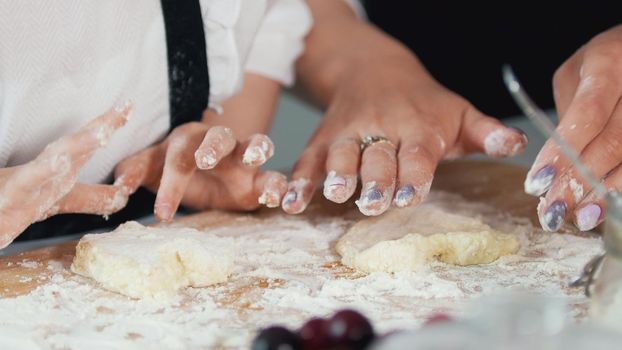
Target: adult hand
[397,99]
[587,90]
[205,167]
[47,185]
[373,86]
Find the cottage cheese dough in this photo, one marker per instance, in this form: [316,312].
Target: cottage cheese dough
[153,262]
[405,239]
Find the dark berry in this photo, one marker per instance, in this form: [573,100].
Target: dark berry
[350,329]
[276,338]
[437,318]
[313,334]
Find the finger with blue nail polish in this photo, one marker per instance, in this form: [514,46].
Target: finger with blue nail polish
[568,189]
[584,114]
[538,183]
[415,172]
[378,176]
[404,196]
[601,157]
[552,216]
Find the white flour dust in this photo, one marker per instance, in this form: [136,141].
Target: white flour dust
[577,190]
[500,143]
[287,271]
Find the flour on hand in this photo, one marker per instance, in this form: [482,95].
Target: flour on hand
[153,262]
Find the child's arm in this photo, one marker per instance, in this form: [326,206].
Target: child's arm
[214,163]
[251,111]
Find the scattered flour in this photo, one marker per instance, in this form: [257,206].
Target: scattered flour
[287,271]
[577,190]
[29,264]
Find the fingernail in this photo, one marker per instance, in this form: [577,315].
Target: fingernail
[373,195]
[294,201]
[269,198]
[254,155]
[205,160]
[501,142]
[404,196]
[587,217]
[539,183]
[335,187]
[371,201]
[553,218]
[164,212]
[290,197]
[520,131]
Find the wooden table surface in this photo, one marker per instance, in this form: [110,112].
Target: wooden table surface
[498,184]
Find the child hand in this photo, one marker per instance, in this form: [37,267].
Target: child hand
[47,185]
[205,167]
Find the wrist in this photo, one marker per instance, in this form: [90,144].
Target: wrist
[380,71]
[364,51]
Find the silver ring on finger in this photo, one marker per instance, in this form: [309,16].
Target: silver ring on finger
[371,140]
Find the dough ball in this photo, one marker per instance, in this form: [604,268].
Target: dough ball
[405,239]
[153,262]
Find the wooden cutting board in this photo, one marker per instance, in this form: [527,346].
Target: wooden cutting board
[498,184]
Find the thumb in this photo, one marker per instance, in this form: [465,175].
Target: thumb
[482,133]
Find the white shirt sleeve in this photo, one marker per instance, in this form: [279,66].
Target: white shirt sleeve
[280,40]
[358,9]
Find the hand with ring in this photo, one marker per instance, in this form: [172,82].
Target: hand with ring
[385,99]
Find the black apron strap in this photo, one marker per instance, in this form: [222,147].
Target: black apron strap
[189,88]
[188,75]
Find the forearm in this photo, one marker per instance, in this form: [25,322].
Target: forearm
[251,111]
[340,43]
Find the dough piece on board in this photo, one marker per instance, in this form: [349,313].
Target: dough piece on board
[404,239]
[153,262]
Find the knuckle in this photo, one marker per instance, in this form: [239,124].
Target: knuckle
[249,204]
[382,151]
[187,127]
[561,75]
[222,132]
[183,165]
[611,145]
[246,199]
[411,152]
[178,140]
[345,146]
[611,54]
[276,177]
[595,108]
[311,155]
[426,153]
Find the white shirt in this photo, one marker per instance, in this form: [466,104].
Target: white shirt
[64,62]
